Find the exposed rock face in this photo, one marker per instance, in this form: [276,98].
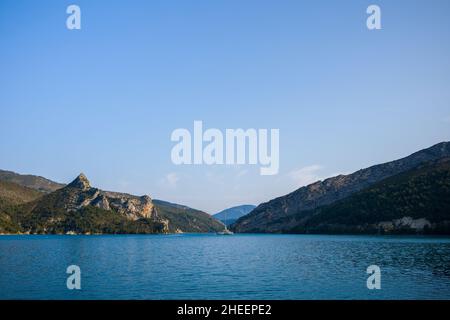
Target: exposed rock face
[270,216]
[82,194]
[405,222]
[81,182]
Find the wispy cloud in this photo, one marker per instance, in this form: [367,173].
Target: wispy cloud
[306,175]
[171,179]
[241,173]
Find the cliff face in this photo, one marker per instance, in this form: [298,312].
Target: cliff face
[82,195]
[271,216]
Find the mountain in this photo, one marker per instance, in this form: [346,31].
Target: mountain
[79,194]
[272,216]
[170,204]
[11,195]
[30,181]
[185,219]
[416,201]
[78,208]
[230,215]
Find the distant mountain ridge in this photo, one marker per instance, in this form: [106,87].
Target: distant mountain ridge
[272,216]
[230,215]
[31,181]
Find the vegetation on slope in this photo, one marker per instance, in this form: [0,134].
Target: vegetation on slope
[87,220]
[421,193]
[185,219]
[12,195]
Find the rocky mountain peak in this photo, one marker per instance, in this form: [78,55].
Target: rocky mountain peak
[80,182]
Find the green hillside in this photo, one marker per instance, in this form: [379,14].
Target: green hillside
[12,195]
[87,220]
[417,201]
[186,219]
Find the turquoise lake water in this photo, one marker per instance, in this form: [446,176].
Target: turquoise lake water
[224,267]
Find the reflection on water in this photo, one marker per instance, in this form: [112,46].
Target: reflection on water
[218,267]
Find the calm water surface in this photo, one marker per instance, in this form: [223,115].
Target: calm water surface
[224,267]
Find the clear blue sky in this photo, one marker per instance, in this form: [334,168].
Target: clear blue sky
[104,100]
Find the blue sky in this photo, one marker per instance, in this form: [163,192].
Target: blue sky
[105,99]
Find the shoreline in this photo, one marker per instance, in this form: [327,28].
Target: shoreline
[238,234]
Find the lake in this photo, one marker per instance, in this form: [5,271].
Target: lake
[207,266]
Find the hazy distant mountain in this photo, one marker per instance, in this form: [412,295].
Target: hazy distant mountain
[80,208]
[30,181]
[234,213]
[282,214]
